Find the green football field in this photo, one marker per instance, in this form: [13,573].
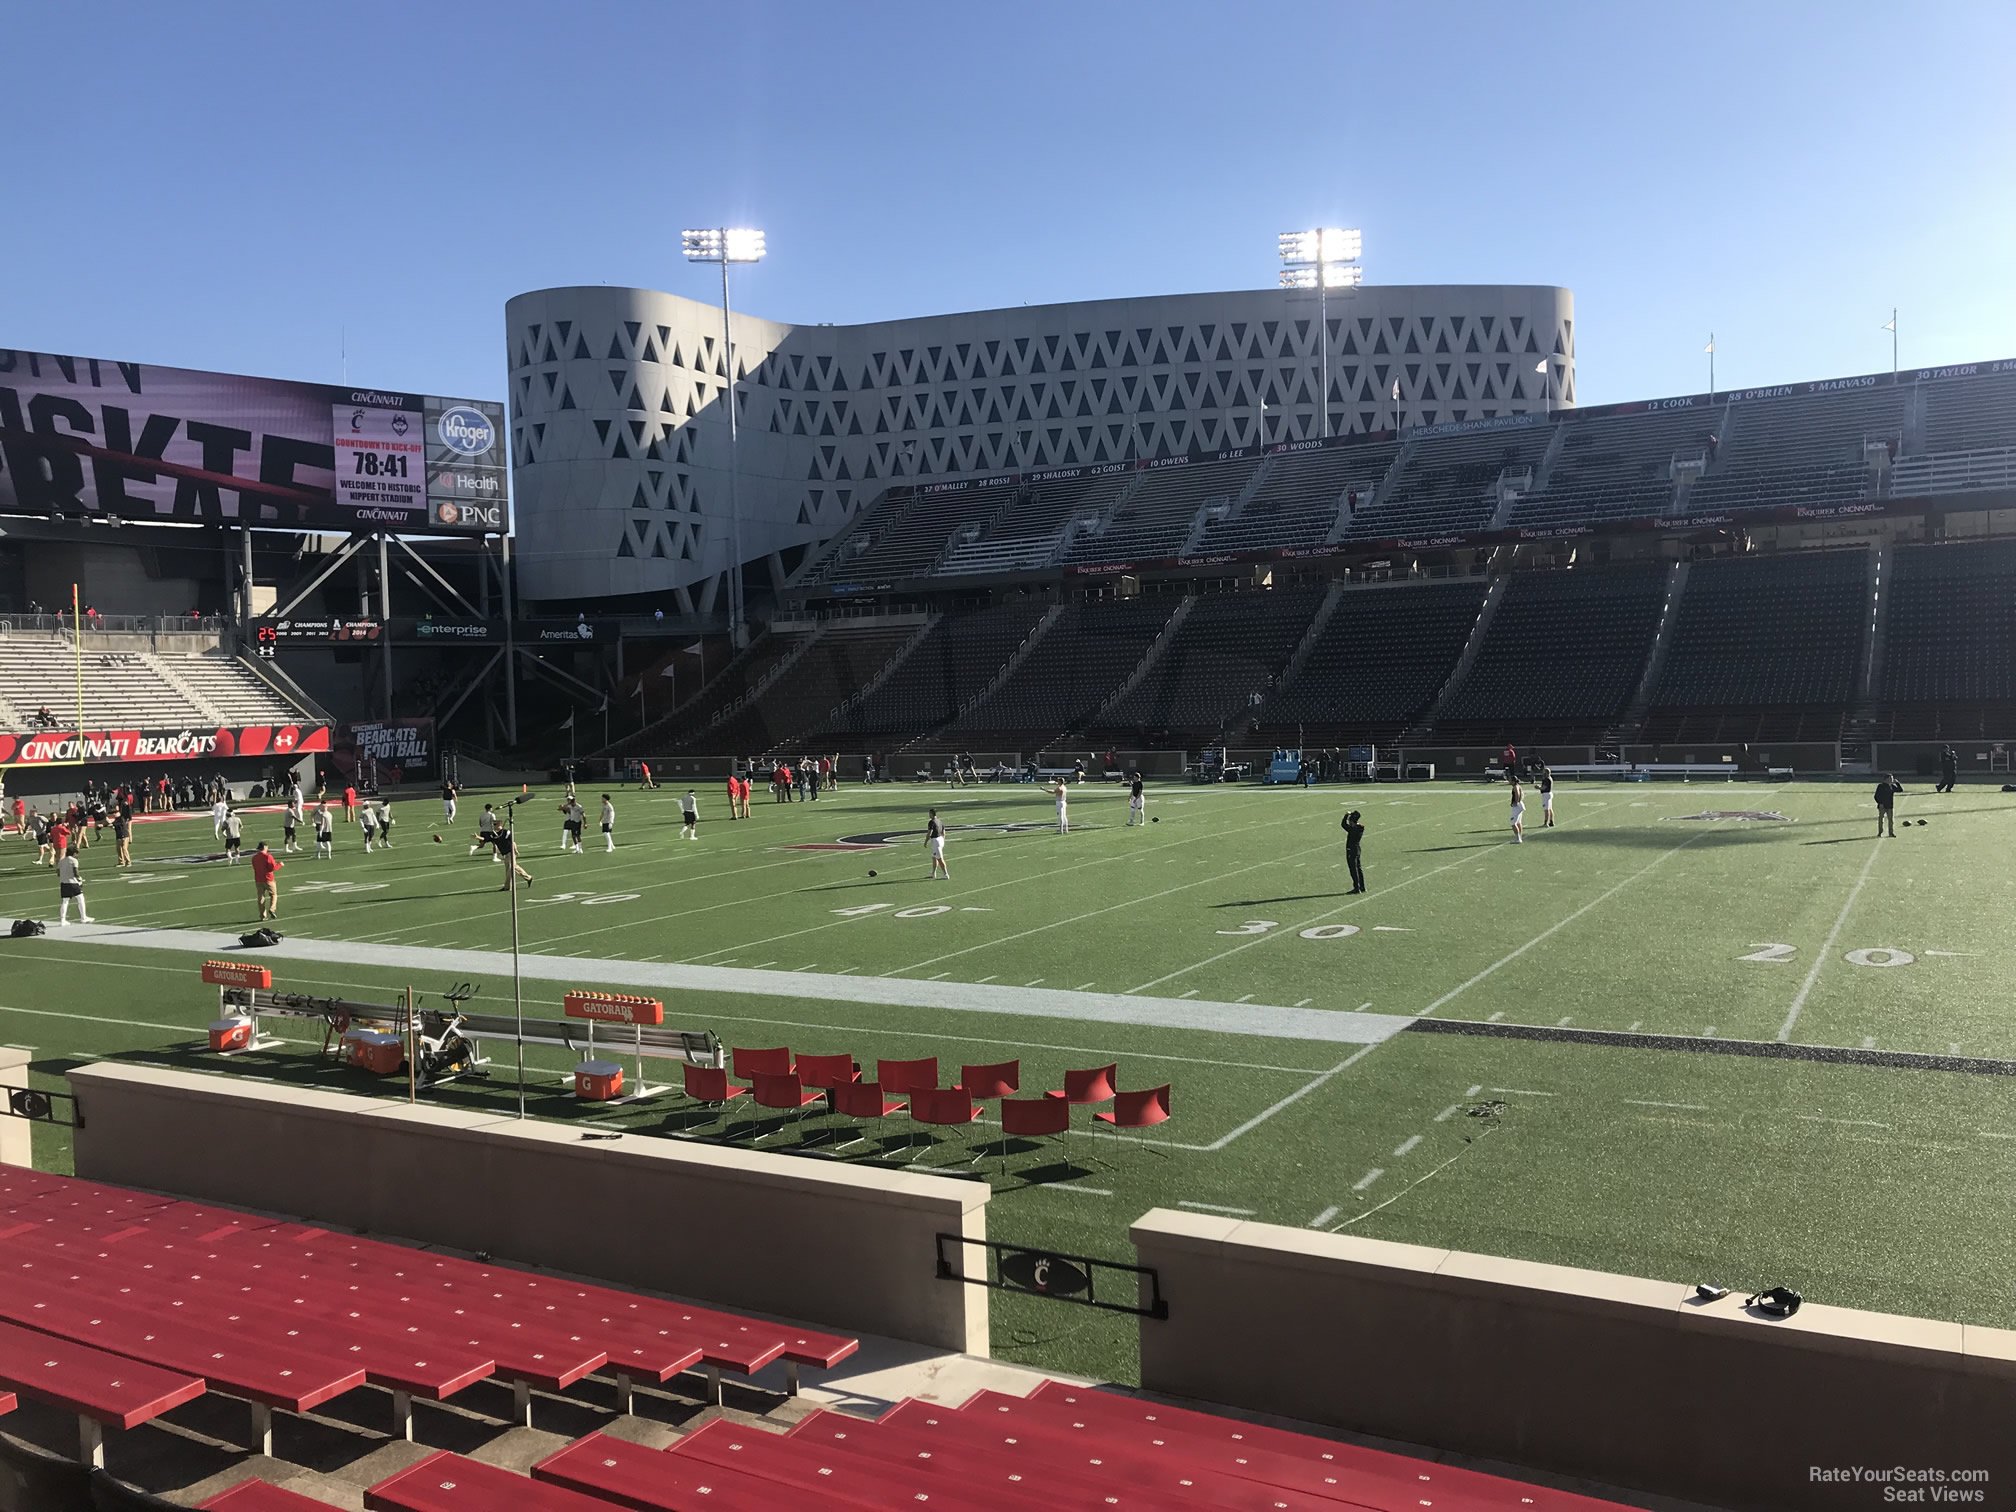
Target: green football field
[1658,1039]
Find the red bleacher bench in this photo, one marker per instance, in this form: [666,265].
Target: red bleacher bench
[261,1496]
[101,1389]
[445,1482]
[650,1480]
[8,1402]
[1227,1441]
[817,1472]
[1066,1486]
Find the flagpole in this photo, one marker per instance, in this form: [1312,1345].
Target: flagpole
[1893,343]
[1711,367]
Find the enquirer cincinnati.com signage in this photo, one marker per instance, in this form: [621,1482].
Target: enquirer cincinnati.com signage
[83,436]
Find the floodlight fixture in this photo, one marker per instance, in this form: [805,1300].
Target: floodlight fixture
[1322,258]
[724,245]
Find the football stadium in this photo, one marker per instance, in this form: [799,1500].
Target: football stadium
[1187,900]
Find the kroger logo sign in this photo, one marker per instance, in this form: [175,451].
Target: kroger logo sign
[465,430]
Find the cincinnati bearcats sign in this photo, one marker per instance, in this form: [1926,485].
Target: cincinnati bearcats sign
[69,747]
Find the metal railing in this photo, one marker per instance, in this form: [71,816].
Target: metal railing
[114,624]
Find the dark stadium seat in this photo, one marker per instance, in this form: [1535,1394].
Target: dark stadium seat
[1077,665]
[1764,648]
[952,665]
[1230,647]
[1378,664]
[1798,449]
[1560,659]
[1447,484]
[1156,519]
[803,698]
[1949,653]
[1617,467]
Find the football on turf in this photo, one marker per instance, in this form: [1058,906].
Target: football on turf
[437,839]
[871,874]
[1156,820]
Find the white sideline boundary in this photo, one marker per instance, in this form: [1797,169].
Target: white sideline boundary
[1250,1019]
[1826,950]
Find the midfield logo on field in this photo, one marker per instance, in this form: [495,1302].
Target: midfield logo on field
[884,839]
[1762,815]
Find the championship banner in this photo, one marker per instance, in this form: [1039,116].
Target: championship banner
[86,437]
[68,748]
[400,749]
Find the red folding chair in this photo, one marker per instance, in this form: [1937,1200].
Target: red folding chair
[951,1107]
[901,1077]
[709,1085]
[990,1083]
[1034,1118]
[750,1064]
[827,1071]
[1138,1110]
[1094,1086]
[864,1101]
[784,1094]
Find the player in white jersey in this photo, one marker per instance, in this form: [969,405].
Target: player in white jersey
[934,841]
[1063,795]
[234,830]
[608,824]
[325,831]
[219,811]
[486,833]
[69,887]
[448,795]
[689,816]
[1137,802]
[1518,812]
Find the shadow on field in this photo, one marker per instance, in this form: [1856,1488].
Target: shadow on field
[1729,832]
[1295,898]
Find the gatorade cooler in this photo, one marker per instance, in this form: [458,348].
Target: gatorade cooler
[227,1034]
[367,1049]
[598,1080]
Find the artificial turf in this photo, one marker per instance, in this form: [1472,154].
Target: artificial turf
[1882,1184]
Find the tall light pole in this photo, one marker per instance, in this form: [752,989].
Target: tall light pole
[726,245]
[1323,259]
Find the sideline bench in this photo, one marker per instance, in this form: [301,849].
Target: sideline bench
[100,1389]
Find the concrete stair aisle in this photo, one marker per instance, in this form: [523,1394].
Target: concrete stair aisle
[1297,659]
[1151,656]
[1628,727]
[888,669]
[1417,733]
[160,668]
[1858,733]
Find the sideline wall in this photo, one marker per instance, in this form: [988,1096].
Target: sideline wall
[16,1143]
[822,1242]
[1612,1378]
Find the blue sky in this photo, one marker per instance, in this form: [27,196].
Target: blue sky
[236,186]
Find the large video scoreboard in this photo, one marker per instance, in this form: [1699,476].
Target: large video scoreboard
[86,437]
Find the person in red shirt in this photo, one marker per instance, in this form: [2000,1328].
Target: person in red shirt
[349,805]
[59,841]
[265,871]
[21,818]
[734,793]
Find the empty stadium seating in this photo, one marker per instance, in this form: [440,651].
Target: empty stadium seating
[1764,648]
[1297,502]
[907,540]
[1156,519]
[1560,659]
[1949,656]
[1617,468]
[1229,648]
[1378,664]
[1077,665]
[1969,439]
[1799,449]
[1028,528]
[805,695]
[948,669]
[129,688]
[1447,484]
[704,708]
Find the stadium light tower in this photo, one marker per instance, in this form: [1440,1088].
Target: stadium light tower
[726,245]
[1323,259]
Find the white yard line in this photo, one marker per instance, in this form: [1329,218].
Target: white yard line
[1368,1178]
[1683,1107]
[1827,949]
[1553,929]
[1523,1092]
[1853,1123]
[1082,1191]
[1407,1144]
[1323,1217]
[1189,1012]
[1447,1113]
[1212,1207]
[1291,1099]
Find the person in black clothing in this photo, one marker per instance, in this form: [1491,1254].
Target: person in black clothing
[1354,839]
[1546,797]
[506,847]
[1949,769]
[1886,798]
